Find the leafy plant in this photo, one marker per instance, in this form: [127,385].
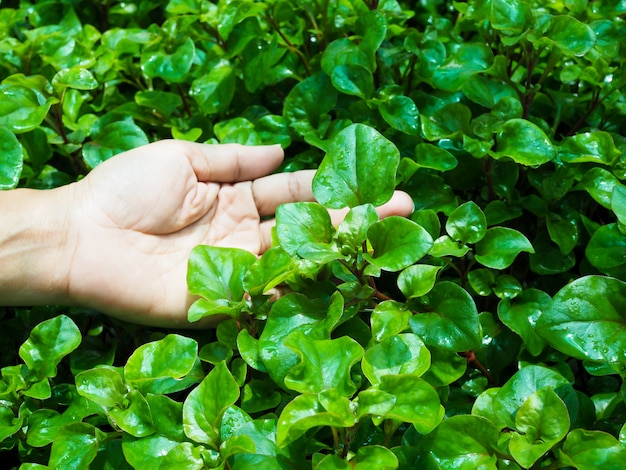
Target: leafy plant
[484,331]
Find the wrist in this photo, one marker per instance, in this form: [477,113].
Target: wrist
[34,246]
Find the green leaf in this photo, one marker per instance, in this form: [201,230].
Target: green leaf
[304,229]
[164,102]
[216,274]
[374,403]
[570,35]
[274,267]
[309,101]
[586,319]
[215,90]
[205,405]
[9,423]
[449,319]
[103,386]
[467,223]
[134,416]
[500,246]
[78,78]
[525,143]
[75,446]
[618,203]
[563,232]
[467,60]
[594,147]
[437,158]
[114,138]
[450,122]
[417,401]
[324,364]
[352,231]
[48,343]
[511,18]
[542,421]
[389,318]
[417,280]
[397,243]
[305,412]
[368,457]
[147,452]
[401,113]
[12,159]
[463,442]
[171,67]
[526,381]
[359,168]
[521,315]
[353,79]
[606,251]
[160,366]
[586,449]
[600,184]
[22,109]
[396,355]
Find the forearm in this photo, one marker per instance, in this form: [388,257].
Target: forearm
[33,246]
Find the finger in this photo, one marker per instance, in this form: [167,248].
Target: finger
[400,204]
[271,191]
[229,163]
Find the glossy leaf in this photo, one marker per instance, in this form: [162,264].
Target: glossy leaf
[417,280]
[389,318]
[160,366]
[216,274]
[346,177]
[396,355]
[114,138]
[48,343]
[21,108]
[542,421]
[583,319]
[215,90]
[204,406]
[500,246]
[397,243]
[437,158]
[76,77]
[75,446]
[525,143]
[596,147]
[584,449]
[521,315]
[353,79]
[467,223]
[401,113]
[606,250]
[12,159]
[366,457]
[448,319]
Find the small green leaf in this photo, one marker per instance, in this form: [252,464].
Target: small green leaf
[171,67]
[542,421]
[467,223]
[525,143]
[432,156]
[570,35]
[204,406]
[48,343]
[500,246]
[594,147]
[75,446]
[585,449]
[160,366]
[78,78]
[22,109]
[134,417]
[304,229]
[324,364]
[449,319]
[398,354]
[366,458]
[216,274]
[467,60]
[353,79]
[303,413]
[521,315]
[606,250]
[12,161]
[389,318]
[374,402]
[417,401]
[103,386]
[586,320]
[397,243]
[463,442]
[401,113]
[215,90]
[147,452]
[417,280]
[352,231]
[563,232]
[359,167]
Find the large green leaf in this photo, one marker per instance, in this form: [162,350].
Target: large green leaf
[48,343]
[542,421]
[160,366]
[586,319]
[359,168]
[11,163]
[525,143]
[448,318]
[216,275]
[205,405]
[397,243]
[587,450]
[395,355]
[500,246]
[22,109]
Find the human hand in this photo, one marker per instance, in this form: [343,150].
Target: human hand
[135,218]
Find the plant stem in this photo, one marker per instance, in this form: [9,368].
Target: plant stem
[472,359]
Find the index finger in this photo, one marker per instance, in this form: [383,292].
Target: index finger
[229,163]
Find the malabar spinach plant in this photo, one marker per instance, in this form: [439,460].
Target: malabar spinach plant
[484,331]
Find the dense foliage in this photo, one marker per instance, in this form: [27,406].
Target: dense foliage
[485,331]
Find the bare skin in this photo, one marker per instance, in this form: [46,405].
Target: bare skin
[118,240]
